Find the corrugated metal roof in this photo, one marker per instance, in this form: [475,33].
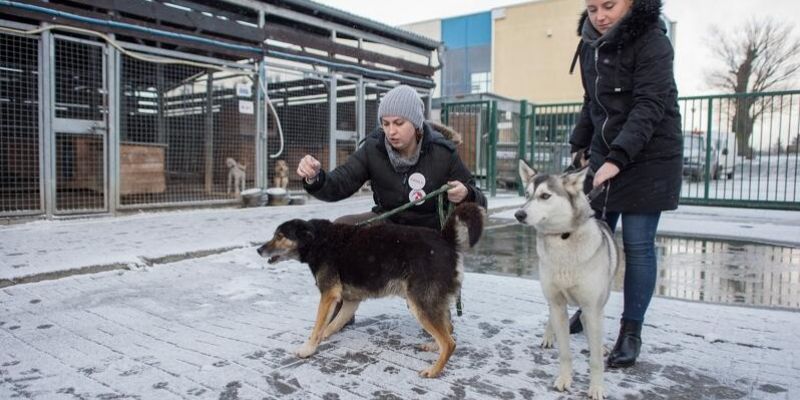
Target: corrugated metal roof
[321,10]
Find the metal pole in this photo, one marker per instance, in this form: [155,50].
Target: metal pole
[114,133]
[209,136]
[262,118]
[47,105]
[533,134]
[493,147]
[708,148]
[523,126]
[332,121]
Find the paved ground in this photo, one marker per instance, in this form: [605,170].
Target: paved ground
[173,323]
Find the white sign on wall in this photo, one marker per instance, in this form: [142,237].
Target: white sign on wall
[244,90]
[245,107]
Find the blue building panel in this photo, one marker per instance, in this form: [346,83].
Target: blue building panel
[468,41]
[467,31]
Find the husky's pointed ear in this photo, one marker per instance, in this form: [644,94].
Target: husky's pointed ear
[573,182]
[525,172]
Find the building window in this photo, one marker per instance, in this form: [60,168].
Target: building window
[480,82]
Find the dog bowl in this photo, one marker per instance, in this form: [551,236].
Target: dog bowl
[253,197]
[297,200]
[278,196]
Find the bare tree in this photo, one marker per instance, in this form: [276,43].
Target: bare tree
[762,55]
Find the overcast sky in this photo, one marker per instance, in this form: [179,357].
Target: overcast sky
[694,18]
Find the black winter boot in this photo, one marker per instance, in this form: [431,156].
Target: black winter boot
[628,345]
[575,325]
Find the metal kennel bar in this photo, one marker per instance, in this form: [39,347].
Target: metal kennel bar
[182,128]
[21,183]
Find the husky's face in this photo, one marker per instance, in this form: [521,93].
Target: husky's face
[288,237]
[555,203]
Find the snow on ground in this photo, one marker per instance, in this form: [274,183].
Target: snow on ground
[176,322]
[224,327]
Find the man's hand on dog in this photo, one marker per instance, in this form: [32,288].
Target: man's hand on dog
[308,168]
[457,193]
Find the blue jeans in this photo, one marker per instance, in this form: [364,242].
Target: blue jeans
[639,244]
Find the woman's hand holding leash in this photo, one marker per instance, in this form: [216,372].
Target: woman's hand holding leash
[607,171]
[457,193]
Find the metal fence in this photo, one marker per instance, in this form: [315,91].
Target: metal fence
[185,134]
[86,128]
[742,149]
[20,183]
[477,122]
[739,150]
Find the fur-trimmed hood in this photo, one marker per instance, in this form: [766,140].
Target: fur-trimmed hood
[641,17]
[446,131]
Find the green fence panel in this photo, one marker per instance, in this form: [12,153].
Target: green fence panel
[739,150]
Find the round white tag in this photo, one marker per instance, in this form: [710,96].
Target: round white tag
[415,195]
[416,181]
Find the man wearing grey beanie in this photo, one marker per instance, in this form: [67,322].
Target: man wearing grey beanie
[404,159]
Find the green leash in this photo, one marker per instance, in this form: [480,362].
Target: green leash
[408,205]
[442,219]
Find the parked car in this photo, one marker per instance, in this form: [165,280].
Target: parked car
[721,156]
[725,148]
[694,156]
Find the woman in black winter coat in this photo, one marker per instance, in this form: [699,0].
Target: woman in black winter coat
[629,129]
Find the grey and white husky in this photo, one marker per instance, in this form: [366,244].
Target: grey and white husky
[577,262]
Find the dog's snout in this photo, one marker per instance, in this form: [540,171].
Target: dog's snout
[521,215]
[260,250]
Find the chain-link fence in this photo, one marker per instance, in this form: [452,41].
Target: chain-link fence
[80,125]
[187,134]
[301,101]
[20,182]
[89,128]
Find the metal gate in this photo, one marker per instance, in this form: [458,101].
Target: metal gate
[21,183]
[476,121]
[79,151]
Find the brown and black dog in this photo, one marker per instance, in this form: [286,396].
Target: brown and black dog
[355,263]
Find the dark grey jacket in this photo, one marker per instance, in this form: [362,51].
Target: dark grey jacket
[630,113]
[438,163]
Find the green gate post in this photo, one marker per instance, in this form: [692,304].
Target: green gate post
[523,127]
[493,147]
[533,134]
[708,150]
[445,116]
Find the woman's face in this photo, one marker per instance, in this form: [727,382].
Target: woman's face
[401,133]
[604,14]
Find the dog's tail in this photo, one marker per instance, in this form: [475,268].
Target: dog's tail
[464,227]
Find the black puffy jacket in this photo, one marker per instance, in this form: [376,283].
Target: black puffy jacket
[630,114]
[438,163]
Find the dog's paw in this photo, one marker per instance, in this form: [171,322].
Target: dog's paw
[563,382]
[430,346]
[548,341]
[597,391]
[305,350]
[429,373]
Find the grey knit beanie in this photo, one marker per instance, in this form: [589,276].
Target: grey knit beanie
[403,101]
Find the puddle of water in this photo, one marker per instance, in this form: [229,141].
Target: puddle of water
[693,269]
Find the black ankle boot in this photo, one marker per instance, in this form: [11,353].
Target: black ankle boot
[628,345]
[575,325]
